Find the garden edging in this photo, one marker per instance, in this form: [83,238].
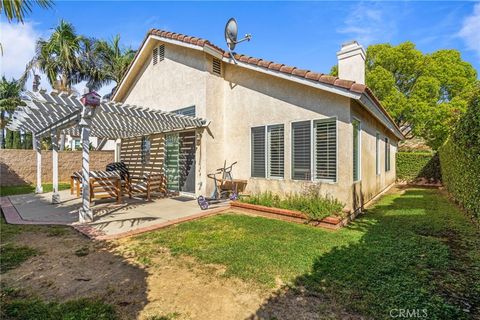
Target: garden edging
[328,222]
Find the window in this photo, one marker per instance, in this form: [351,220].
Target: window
[188,111]
[145,148]
[217,66]
[258,152]
[387,154]
[356,150]
[323,149]
[326,149]
[377,154]
[301,153]
[276,148]
[268,151]
[75,144]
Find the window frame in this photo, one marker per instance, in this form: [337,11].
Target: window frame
[388,165]
[359,153]
[377,153]
[313,150]
[267,152]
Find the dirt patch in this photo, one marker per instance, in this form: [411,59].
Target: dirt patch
[60,273]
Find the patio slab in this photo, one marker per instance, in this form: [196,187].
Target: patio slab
[111,220]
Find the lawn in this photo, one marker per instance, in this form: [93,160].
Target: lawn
[13,190]
[17,304]
[414,251]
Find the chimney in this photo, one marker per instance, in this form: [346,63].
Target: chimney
[351,62]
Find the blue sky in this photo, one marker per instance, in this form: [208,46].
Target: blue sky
[303,34]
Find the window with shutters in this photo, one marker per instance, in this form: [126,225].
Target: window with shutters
[356,150]
[258,152]
[276,151]
[325,149]
[377,154]
[301,150]
[387,154]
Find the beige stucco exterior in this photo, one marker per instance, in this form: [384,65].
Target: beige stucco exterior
[240,99]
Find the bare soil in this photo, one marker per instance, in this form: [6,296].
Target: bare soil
[71,266]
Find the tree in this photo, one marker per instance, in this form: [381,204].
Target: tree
[425,93]
[113,58]
[17,9]
[27,141]
[67,59]
[17,140]
[9,100]
[8,139]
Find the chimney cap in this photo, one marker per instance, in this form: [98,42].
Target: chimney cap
[351,48]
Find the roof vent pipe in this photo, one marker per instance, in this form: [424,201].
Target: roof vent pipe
[351,62]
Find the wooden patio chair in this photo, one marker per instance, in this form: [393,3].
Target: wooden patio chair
[108,186]
[148,183]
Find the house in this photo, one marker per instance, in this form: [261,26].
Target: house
[285,127]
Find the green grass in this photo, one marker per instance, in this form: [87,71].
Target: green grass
[412,251]
[16,305]
[13,190]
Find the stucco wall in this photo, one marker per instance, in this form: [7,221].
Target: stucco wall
[372,183]
[243,98]
[18,167]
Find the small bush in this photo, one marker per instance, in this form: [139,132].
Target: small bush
[416,165]
[309,202]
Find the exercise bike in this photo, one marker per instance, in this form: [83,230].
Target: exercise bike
[221,193]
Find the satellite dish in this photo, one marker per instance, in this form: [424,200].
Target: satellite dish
[231,33]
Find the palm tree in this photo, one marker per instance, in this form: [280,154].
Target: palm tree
[9,100]
[58,57]
[17,9]
[114,60]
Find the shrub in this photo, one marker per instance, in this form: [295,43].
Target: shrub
[460,159]
[309,201]
[415,165]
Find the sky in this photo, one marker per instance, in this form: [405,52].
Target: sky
[303,34]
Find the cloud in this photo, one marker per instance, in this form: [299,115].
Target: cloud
[368,23]
[470,32]
[18,43]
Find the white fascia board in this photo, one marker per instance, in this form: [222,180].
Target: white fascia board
[374,110]
[304,81]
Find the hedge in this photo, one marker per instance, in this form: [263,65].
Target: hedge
[460,159]
[415,165]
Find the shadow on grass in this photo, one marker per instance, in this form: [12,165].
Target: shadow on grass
[418,253]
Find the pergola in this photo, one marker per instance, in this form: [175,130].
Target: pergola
[49,114]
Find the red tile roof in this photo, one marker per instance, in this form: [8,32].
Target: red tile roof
[307,74]
[300,73]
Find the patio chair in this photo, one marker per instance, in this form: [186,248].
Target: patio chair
[106,186]
[122,169]
[148,183]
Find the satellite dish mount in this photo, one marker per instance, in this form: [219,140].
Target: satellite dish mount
[231,32]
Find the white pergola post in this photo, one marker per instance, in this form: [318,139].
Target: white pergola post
[85,213]
[62,142]
[37,148]
[55,195]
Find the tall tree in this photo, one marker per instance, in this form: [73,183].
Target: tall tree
[18,9]
[9,100]
[17,140]
[113,58]
[426,93]
[67,59]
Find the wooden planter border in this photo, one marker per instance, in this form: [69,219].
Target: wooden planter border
[328,222]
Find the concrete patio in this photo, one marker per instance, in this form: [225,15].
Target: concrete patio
[111,220]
